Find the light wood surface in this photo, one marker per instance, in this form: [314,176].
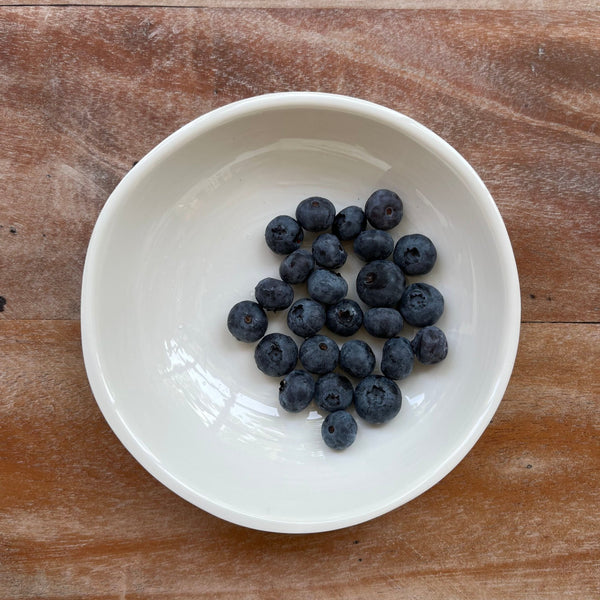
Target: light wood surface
[87,90]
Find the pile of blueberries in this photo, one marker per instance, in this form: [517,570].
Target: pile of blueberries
[381,284]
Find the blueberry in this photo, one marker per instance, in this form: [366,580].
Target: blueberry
[373,244]
[273,294]
[306,317]
[315,213]
[377,399]
[283,235]
[297,266]
[326,287]
[247,321]
[421,304]
[380,283]
[328,251]
[384,209]
[398,358]
[333,392]
[349,222]
[339,430]
[430,345]
[357,358]
[383,322]
[415,254]
[319,354]
[344,318]
[276,354]
[296,391]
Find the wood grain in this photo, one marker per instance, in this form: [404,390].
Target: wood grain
[321,4]
[88,91]
[79,518]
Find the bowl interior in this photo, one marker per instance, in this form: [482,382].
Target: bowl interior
[182,239]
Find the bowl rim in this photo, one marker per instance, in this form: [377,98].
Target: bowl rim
[214,119]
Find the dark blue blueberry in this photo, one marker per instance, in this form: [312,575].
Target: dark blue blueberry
[415,254]
[373,244]
[328,251]
[333,392]
[377,399]
[357,358]
[306,317]
[380,283]
[276,354]
[344,318]
[296,267]
[339,430]
[296,391]
[319,354]
[315,213]
[273,294]
[384,209]
[398,358]
[283,235]
[430,345]
[383,322]
[326,287]
[421,304]
[247,321]
[349,222]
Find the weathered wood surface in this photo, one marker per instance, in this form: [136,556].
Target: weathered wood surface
[86,91]
[573,5]
[518,518]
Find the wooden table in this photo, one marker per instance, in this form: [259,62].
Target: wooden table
[87,89]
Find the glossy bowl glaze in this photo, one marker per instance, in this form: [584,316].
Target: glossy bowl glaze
[181,239]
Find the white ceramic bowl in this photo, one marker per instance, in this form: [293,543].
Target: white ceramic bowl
[181,239]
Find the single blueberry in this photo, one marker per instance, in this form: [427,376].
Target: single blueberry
[357,358]
[328,251]
[333,392]
[283,235]
[296,391]
[373,244]
[247,321]
[326,286]
[421,304]
[344,318]
[397,358]
[319,354]
[415,254]
[430,345]
[315,213]
[380,283]
[297,266]
[349,222]
[339,430]
[377,399]
[273,294]
[383,322]
[306,317]
[276,354]
[384,209]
